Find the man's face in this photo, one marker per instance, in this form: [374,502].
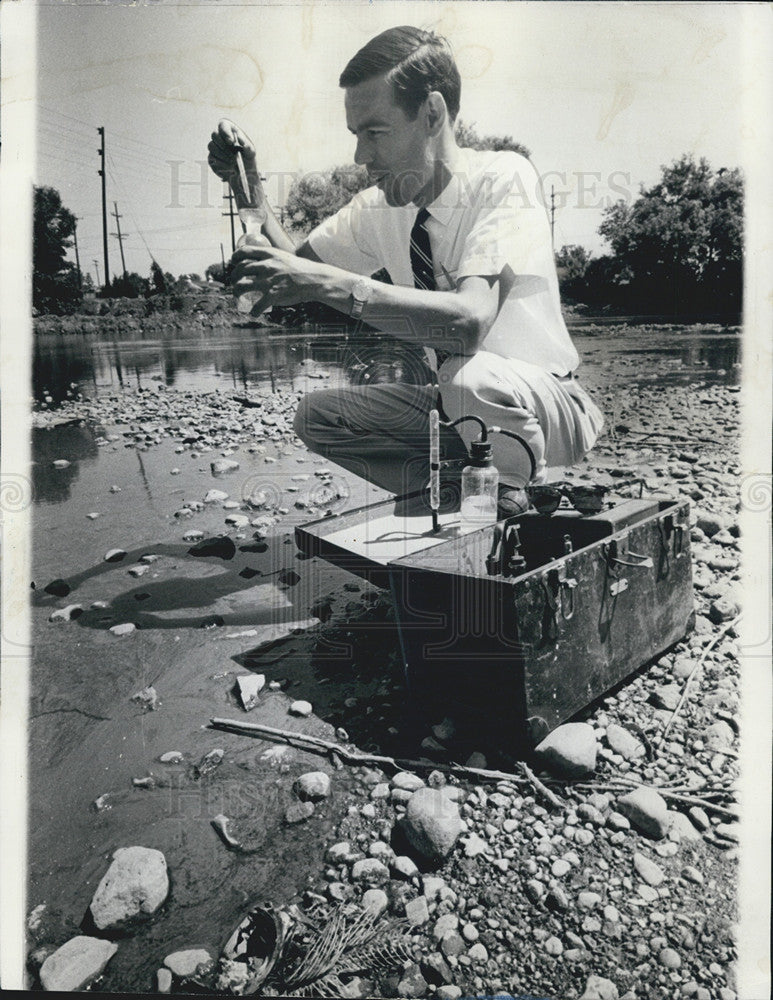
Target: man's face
[395,151]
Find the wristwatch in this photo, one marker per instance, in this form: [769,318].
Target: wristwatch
[361,292]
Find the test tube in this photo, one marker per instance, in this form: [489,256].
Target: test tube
[434,466]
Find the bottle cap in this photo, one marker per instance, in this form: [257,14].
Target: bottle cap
[480,454]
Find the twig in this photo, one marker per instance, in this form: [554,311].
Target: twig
[693,672]
[542,789]
[318,745]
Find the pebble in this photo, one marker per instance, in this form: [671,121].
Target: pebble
[588,900]
[114,555]
[666,697]
[70,613]
[163,981]
[599,988]
[301,708]
[299,812]
[148,698]
[237,520]
[215,496]
[375,900]
[478,953]
[370,870]
[313,786]
[407,781]
[171,757]
[553,946]
[669,958]
[448,992]
[76,964]
[470,933]
[651,873]
[404,867]
[444,925]
[623,742]
[250,686]
[647,811]
[569,751]
[699,818]
[692,875]
[188,962]
[560,867]
[93,515]
[416,911]
[222,466]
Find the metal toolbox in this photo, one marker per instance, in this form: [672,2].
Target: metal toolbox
[518,642]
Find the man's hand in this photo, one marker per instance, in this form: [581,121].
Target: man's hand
[223,146]
[279,277]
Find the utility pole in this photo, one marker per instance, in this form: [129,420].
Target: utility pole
[118,218]
[233,215]
[96,268]
[77,258]
[101,172]
[552,216]
[222,256]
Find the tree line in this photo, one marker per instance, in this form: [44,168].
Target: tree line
[676,249]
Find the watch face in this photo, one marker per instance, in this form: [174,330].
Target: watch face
[361,290]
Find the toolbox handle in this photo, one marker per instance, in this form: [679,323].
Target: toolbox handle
[643,562]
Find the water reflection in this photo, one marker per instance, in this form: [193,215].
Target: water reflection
[74,441]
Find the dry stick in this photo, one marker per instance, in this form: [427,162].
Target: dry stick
[315,743]
[356,757]
[692,674]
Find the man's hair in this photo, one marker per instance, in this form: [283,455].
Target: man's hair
[415,62]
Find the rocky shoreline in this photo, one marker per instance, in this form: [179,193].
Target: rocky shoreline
[617,883]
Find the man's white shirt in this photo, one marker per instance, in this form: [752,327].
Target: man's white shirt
[489,220]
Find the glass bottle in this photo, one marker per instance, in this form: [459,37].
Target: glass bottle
[480,487]
[252,220]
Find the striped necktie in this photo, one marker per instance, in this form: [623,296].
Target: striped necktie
[421,254]
[421,265]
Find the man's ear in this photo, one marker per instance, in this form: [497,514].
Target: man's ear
[436,112]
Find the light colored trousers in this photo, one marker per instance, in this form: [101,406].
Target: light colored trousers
[381,432]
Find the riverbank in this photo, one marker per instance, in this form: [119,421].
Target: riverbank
[532,899]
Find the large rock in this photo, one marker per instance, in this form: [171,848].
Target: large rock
[76,964]
[598,988]
[432,823]
[133,888]
[647,811]
[569,751]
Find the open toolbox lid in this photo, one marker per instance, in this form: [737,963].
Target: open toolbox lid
[368,540]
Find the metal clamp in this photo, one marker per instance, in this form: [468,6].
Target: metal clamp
[567,587]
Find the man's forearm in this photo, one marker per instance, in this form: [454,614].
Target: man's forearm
[452,321]
[274,232]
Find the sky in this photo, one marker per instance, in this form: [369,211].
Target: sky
[603,94]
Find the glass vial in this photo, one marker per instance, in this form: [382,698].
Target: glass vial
[252,219]
[480,487]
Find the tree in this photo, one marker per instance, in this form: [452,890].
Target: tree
[157,278]
[316,196]
[468,138]
[572,262]
[682,239]
[216,272]
[130,286]
[55,284]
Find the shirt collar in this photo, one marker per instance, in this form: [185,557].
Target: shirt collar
[450,198]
